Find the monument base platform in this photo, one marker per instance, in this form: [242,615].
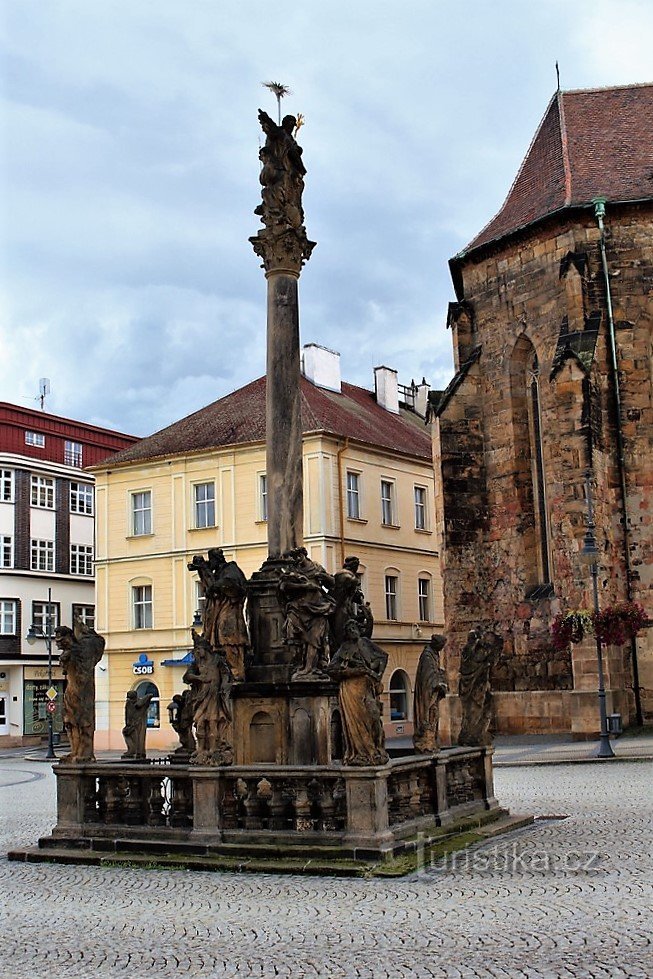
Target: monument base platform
[329,819]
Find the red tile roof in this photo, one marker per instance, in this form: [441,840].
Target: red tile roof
[590,143]
[240,417]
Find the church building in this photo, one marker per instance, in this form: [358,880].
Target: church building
[552,330]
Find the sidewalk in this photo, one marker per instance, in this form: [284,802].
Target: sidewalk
[557,749]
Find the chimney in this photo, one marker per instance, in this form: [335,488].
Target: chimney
[422,399]
[387,389]
[321,366]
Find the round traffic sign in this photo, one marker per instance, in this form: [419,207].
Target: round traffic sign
[51,707]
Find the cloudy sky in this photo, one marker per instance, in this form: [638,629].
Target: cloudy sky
[130,175]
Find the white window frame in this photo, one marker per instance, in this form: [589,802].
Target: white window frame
[262,496]
[81,559]
[404,691]
[142,601]
[42,492]
[391,589]
[388,503]
[136,511]
[39,616]
[84,612]
[6,485]
[73,453]
[8,617]
[6,551]
[81,498]
[420,506]
[35,438]
[41,554]
[423,599]
[204,509]
[353,491]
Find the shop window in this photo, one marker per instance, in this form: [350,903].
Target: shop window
[399,696]
[154,709]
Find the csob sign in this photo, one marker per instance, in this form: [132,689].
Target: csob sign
[144,666]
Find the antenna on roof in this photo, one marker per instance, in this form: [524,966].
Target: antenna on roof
[558,75]
[44,389]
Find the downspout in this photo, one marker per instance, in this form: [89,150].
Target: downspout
[599,213]
[341,501]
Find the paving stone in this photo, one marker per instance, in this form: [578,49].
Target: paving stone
[562,899]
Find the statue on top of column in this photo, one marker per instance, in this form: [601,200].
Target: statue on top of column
[283,241]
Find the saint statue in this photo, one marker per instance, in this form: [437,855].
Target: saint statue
[210,681]
[225,589]
[303,591]
[81,649]
[181,714]
[358,666]
[349,603]
[478,657]
[430,688]
[135,727]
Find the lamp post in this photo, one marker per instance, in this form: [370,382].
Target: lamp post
[590,555]
[32,635]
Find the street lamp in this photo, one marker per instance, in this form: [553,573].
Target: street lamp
[34,633]
[590,555]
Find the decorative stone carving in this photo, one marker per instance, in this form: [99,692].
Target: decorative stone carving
[210,682]
[181,720]
[225,588]
[358,665]
[478,656]
[81,649]
[283,243]
[307,607]
[135,727]
[349,603]
[430,688]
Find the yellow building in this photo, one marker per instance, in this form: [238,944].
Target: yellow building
[200,483]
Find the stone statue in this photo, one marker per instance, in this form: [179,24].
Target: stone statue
[183,723]
[284,240]
[349,603]
[81,649]
[358,665]
[478,656]
[307,607]
[225,589]
[135,727]
[430,688]
[210,682]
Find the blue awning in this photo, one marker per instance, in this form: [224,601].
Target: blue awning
[184,661]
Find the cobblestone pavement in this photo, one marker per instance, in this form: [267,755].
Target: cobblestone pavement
[565,899]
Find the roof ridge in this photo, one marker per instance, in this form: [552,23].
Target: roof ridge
[564,146]
[606,88]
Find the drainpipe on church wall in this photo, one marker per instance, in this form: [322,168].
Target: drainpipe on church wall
[341,500]
[599,213]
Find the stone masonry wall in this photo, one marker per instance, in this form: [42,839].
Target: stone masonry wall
[543,295]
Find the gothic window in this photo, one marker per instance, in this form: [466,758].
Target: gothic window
[529,471]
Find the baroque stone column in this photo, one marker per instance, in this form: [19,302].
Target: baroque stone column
[284,247]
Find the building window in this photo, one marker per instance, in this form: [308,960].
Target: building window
[43,492]
[204,499]
[399,696]
[40,617]
[42,555]
[154,709]
[81,559]
[420,507]
[7,617]
[200,601]
[6,551]
[6,486]
[72,454]
[263,496]
[81,498]
[391,603]
[85,613]
[141,513]
[35,438]
[424,599]
[387,502]
[142,605]
[353,496]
